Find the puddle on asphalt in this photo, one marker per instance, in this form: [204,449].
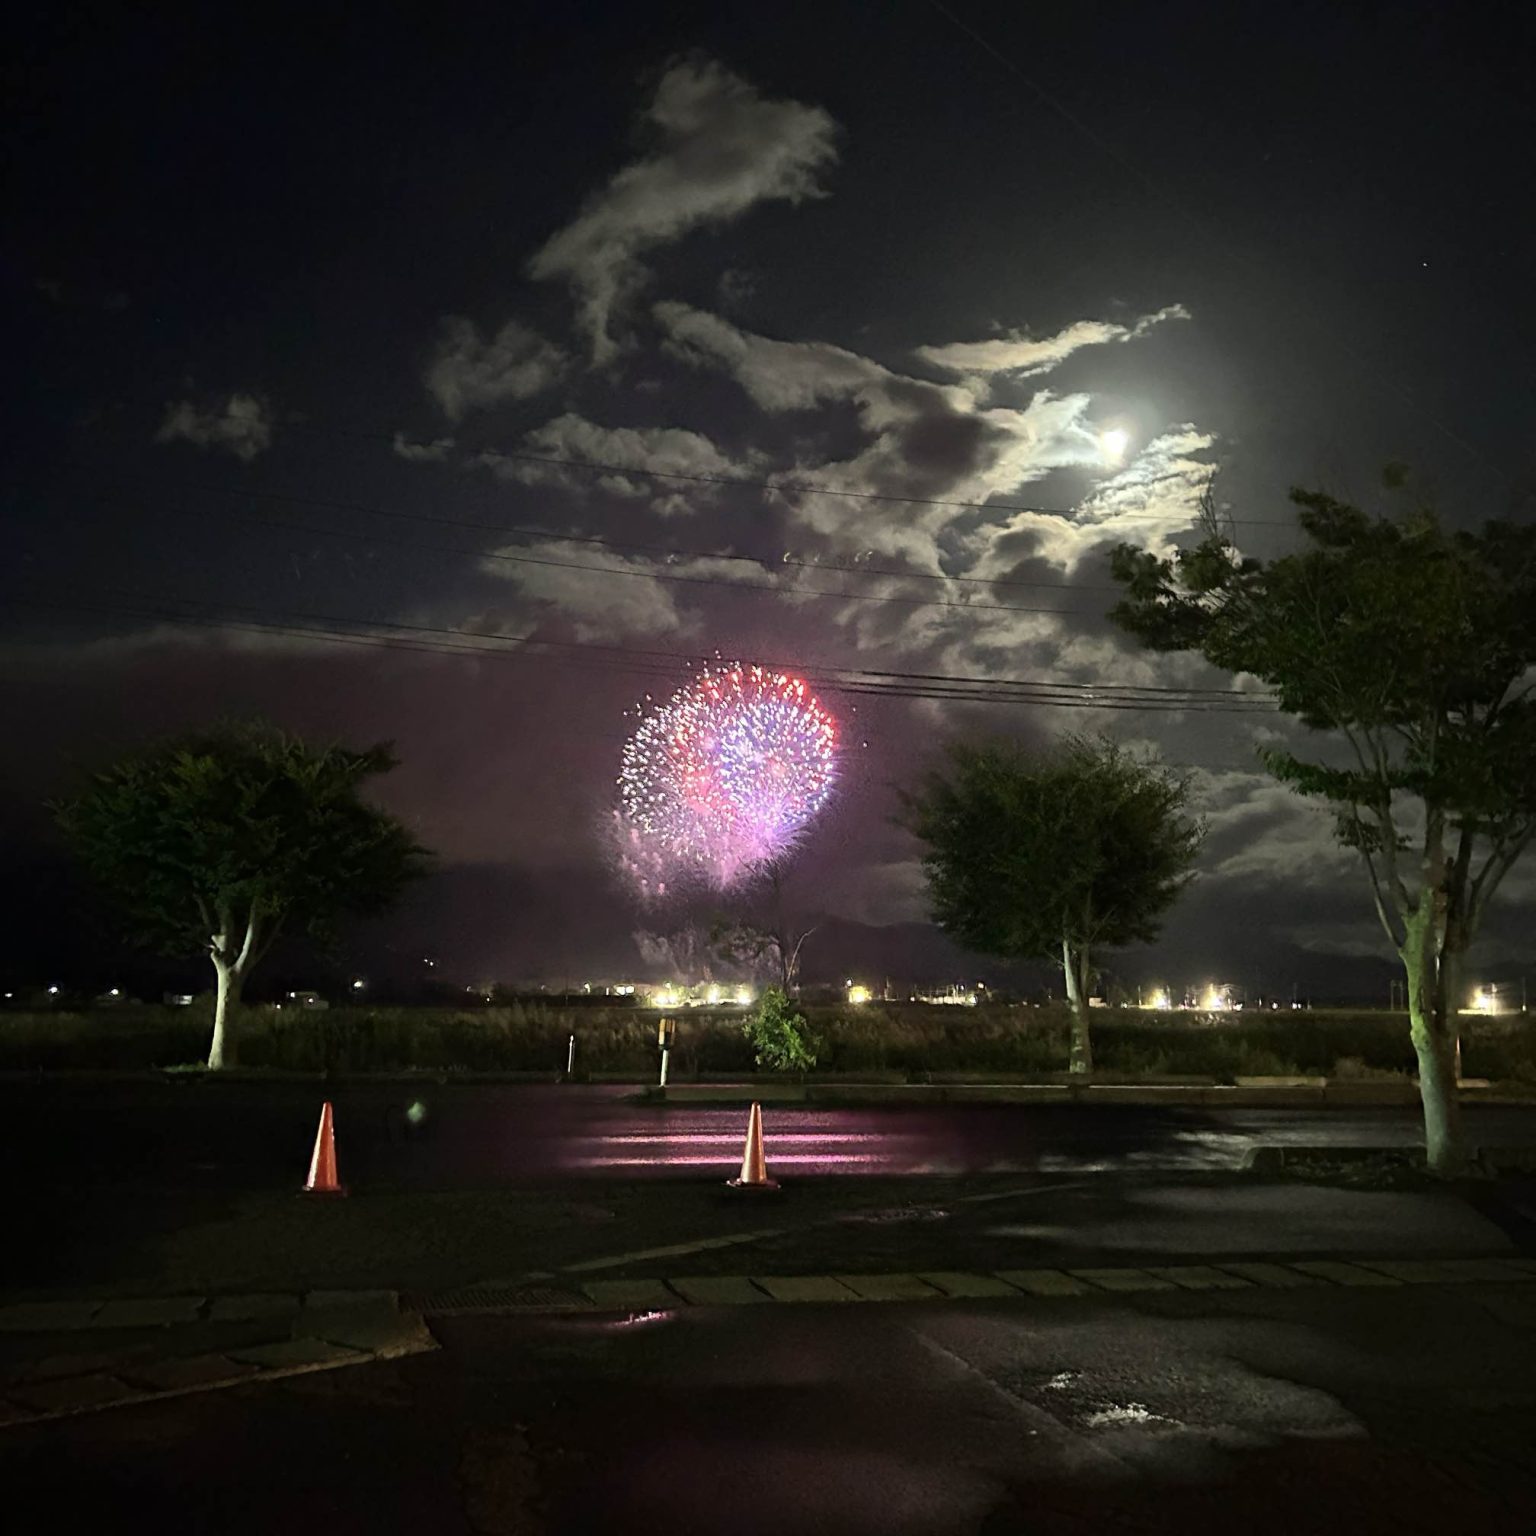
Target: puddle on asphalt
[1119,1414]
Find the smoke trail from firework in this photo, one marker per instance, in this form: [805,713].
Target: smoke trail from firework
[723,779]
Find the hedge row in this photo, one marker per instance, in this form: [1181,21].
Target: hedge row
[899,1038]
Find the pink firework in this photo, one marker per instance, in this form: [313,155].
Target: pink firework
[724,778]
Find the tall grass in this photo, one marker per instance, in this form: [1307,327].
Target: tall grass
[901,1038]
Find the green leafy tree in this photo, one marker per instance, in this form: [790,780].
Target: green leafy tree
[780,1036]
[1060,853]
[220,841]
[1409,649]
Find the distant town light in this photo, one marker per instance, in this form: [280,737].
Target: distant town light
[1159,999]
[358,983]
[53,991]
[954,996]
[743,996]
[858,994]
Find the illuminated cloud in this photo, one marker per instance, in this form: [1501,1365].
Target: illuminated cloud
[469,371]
[1154,497]
[930,443]
[625,452]
[242,426]
[1017,353]
[720,148]
[416,452]
[777,375]
[556,578]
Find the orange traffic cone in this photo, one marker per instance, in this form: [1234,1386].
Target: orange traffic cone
[322,1166]
[754,1168]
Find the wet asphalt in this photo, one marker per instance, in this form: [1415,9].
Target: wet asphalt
[253,1135]
[1402,1411]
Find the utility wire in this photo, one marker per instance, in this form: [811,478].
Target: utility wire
[446,641]
[1172,195]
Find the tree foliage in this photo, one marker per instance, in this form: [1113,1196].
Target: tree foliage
[780,1037]
[1411,646]
[1057,853]
[218,842]
[1086,841]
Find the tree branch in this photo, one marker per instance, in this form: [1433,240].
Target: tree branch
[1501,858]
[1381,905]
[1381,810]
[251,924]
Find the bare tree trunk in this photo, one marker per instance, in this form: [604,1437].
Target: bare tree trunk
[231,972]
[223,1051]
[1074,963]
[1432,1016]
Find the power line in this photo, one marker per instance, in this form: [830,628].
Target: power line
[1164,191]
[1053,102]
[859,682]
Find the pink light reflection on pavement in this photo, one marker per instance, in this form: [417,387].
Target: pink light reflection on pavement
[782,1160]
[725,1138]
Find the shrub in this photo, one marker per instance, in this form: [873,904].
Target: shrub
[780,1037]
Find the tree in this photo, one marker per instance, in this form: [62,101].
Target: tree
[1412,648]
[1058,853]
[770,943]
[221,841]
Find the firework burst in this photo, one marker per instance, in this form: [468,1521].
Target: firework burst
[723,779]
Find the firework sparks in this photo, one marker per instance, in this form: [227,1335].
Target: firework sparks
[723,779]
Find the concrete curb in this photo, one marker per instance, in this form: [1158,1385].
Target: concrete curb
[876,1088]
[1248,1095]
[646,1294]
[1273,1160]
[330,1330]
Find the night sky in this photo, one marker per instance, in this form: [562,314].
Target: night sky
[312,311]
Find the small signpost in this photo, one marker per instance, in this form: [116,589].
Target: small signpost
[665,1029]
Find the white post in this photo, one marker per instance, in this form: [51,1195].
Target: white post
[570,1057]
[666,1052]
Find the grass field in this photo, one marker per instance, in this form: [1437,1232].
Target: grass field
[905,1039]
